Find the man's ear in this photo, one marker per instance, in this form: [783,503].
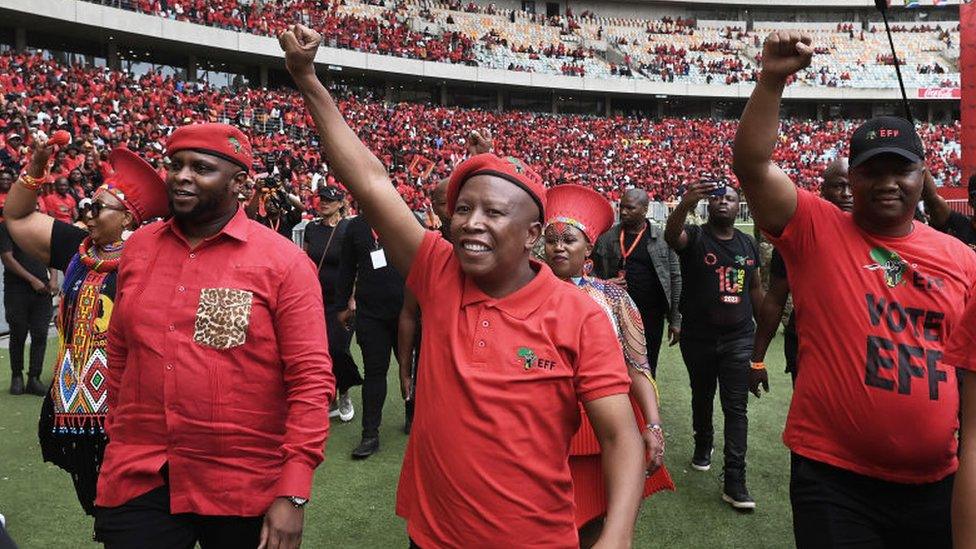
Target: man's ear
[534,233]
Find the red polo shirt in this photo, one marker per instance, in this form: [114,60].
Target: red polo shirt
[500,379]
[219,367]
[60,207]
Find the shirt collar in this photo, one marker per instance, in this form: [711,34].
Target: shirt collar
[520,304]
[237,228]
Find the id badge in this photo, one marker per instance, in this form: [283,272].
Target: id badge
[378,258]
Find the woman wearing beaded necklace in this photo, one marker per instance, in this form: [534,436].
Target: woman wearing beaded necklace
[576,217]
[72,417]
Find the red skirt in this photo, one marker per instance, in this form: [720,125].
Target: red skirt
[589,490]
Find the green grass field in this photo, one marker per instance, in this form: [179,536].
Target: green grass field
[353,501]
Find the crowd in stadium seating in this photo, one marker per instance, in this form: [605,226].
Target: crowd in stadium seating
[103,108]
[484,35]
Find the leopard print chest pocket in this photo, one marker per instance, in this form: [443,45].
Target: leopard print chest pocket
[223,316]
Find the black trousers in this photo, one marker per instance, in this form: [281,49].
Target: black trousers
[653,321]
[343,366]
[377,338]
[146,523]
[27,313]
[725,364]
[833,507]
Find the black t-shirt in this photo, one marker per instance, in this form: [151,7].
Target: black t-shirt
[777,268]
[12,282]
[717,279]
[65,241]
[317,236]
[961,227]
[379,292]
[642,281]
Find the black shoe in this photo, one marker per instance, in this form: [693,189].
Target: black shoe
[702,459]
[17,385]
[407,423]
[366,448]
[35,387]
[736,494]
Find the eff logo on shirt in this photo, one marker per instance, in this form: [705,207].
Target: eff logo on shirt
[529,359]
[891,264]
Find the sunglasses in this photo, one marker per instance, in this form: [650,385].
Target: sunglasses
[94,209]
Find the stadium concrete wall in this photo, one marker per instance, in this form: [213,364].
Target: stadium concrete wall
[265,50]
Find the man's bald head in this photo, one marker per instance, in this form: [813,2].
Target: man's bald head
[438,200]
[633,209]
[639,196]
[836,187]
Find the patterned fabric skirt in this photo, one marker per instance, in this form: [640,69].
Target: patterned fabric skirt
[79,453]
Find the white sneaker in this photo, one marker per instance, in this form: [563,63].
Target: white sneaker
[346,411]
[334,409]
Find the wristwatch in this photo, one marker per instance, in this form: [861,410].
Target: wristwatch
[297,501]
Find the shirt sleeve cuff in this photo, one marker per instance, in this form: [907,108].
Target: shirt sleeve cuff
[618,389]
[295,480]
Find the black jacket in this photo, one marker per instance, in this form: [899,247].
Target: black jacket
[379,292]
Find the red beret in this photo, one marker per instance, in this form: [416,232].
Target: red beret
[221,140]
[137,186]
[579,207]
[509,168]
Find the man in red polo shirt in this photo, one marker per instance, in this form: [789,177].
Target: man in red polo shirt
[220,384]
[873,418]
[509,351]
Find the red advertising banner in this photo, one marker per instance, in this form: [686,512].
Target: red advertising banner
[967,66]
[939,93]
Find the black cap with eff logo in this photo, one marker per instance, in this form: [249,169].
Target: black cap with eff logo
[885,134]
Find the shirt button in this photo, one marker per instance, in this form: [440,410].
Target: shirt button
[172,328]
[485,323]
[481,343]
[182,288]
[169,366]
[193,256]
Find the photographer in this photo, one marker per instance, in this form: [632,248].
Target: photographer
[274,207]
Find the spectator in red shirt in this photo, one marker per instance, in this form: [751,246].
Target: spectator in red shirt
[486,464]
[60,205]
[873,419]
[221,377]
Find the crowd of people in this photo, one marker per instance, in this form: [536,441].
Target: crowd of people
[195,378]
[387,29]
[419,143]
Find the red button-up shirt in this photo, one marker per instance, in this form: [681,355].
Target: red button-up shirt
[219,368]
[487,460]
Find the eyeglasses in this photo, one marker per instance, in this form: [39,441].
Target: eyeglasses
[94,209]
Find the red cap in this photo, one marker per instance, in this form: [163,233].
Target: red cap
[137,186]
[221,140]
[509,168]
[580,207]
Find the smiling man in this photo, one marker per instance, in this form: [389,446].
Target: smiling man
[508,352]
[874,413]
[220,382]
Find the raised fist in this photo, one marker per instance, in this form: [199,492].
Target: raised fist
[479,142]
[300,45]
[786,53]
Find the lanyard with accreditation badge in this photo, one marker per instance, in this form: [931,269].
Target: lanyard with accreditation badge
[625,253]
[377,256]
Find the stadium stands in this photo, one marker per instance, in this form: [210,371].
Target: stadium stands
[420,143]
[669,50]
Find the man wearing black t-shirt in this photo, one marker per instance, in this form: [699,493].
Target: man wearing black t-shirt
[722,294]
[634,255]
[27,289]
[944,219]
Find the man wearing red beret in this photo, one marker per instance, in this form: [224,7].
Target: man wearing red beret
[508,353]
[221,377]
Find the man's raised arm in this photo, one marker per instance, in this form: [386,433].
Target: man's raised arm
[769,191]
[358,169]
